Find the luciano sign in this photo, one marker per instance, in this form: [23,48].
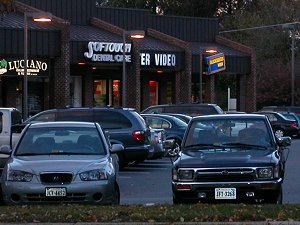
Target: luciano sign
[12,67]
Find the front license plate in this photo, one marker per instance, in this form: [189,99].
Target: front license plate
[56,192]
[225,193]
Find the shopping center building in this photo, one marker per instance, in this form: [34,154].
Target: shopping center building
[78,59]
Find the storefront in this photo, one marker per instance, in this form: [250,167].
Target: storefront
[85,67]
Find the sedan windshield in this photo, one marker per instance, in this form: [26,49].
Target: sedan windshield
[61,140]
[233,133]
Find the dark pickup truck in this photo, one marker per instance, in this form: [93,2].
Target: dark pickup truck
[230,158]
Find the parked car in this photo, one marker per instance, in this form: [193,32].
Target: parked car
[61,162]
[173,127]
[293,109]
[291,116]
[158,141]
[191,109]
[281,125]
[230,158]
[125,126]
[9,116]
[183,117]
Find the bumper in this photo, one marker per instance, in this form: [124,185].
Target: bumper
[138,153]
[89,192]
[245,191]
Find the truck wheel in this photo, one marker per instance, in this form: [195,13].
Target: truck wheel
[277,199]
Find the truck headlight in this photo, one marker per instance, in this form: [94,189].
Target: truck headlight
[93,175]
[186,175]
[19,176]
[265,173]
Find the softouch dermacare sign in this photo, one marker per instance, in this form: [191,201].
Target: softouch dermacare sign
[215,63]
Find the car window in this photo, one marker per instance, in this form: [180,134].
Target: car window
[16,117]
[111,119]
[78,115]
[154,110]
[271,117]
[228,131]
[61,140]
[154,122]
[47,116]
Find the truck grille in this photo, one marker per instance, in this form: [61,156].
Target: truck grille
[225,175]
[55,178]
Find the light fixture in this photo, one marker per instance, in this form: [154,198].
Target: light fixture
[37,17]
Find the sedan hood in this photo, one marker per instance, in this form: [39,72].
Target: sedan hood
[57,163]
[219,159]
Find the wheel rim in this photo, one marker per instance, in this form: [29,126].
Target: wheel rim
[174,152]
[279,133]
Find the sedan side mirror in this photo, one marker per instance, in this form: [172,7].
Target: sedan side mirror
[116,148]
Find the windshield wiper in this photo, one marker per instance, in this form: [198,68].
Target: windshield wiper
[238,144]
[203,145]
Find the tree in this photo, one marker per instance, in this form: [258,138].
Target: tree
[195,8]
[272,45]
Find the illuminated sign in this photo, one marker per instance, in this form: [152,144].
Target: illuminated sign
[16,67]
[215,63]
[107,52]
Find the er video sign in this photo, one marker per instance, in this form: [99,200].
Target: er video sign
[215,63]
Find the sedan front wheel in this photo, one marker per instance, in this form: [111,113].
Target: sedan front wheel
[279,133]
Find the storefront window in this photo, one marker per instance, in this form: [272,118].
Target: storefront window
[76,91]
[153,87]
[116,93]
[99,92]
[169,92]
[37,95]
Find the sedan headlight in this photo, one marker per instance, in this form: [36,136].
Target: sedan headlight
[19,176]
[265,173]
[93,175]
[186,175]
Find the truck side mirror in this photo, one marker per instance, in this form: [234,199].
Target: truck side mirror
[284,141]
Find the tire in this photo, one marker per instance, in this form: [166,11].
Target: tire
[116,200]
[277,199]
[279,133]
[122,161]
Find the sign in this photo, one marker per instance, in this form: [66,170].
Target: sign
[170,60]
[11,67]
[108,52]
[215,63]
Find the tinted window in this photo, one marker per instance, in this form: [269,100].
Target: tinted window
[192,110]
[111,120]
[80,115]
[154,110]
[48,116]
[16,117]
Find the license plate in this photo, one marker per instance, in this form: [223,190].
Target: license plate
[225,193]
[56,192]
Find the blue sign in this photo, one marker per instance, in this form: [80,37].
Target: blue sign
[215,63]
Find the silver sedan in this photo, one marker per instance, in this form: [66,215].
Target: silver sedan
[61,162]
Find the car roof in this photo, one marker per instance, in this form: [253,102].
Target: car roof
[231,116]
[62,124]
